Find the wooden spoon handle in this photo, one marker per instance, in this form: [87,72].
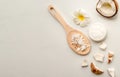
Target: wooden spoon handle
[56,14]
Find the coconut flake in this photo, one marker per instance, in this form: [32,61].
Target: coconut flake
[99,57]
[103,46]
[110,56]
[111,72]
[83,47]
[95,69]
[84,63]
[78,49]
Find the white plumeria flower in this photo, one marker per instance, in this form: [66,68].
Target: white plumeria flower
[81,18]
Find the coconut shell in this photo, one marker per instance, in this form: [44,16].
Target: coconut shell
[116,5]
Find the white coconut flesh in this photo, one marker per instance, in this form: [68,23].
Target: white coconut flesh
[107,8]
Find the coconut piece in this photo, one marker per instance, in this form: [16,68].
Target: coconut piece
[97,32]
[111,72]
[95,69]
[99,57]
[107,8]
[103,46]
[84,63]
[110,57]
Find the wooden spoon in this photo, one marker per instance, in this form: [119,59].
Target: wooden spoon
[70,32]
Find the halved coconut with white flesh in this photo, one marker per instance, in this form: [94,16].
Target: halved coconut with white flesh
[107,8]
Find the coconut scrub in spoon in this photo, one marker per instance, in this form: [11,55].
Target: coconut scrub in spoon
[77,41]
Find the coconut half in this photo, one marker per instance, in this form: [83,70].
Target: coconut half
[107,8]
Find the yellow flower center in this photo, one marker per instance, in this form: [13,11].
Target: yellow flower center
[81,17]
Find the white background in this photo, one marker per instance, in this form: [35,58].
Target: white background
[33,43]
